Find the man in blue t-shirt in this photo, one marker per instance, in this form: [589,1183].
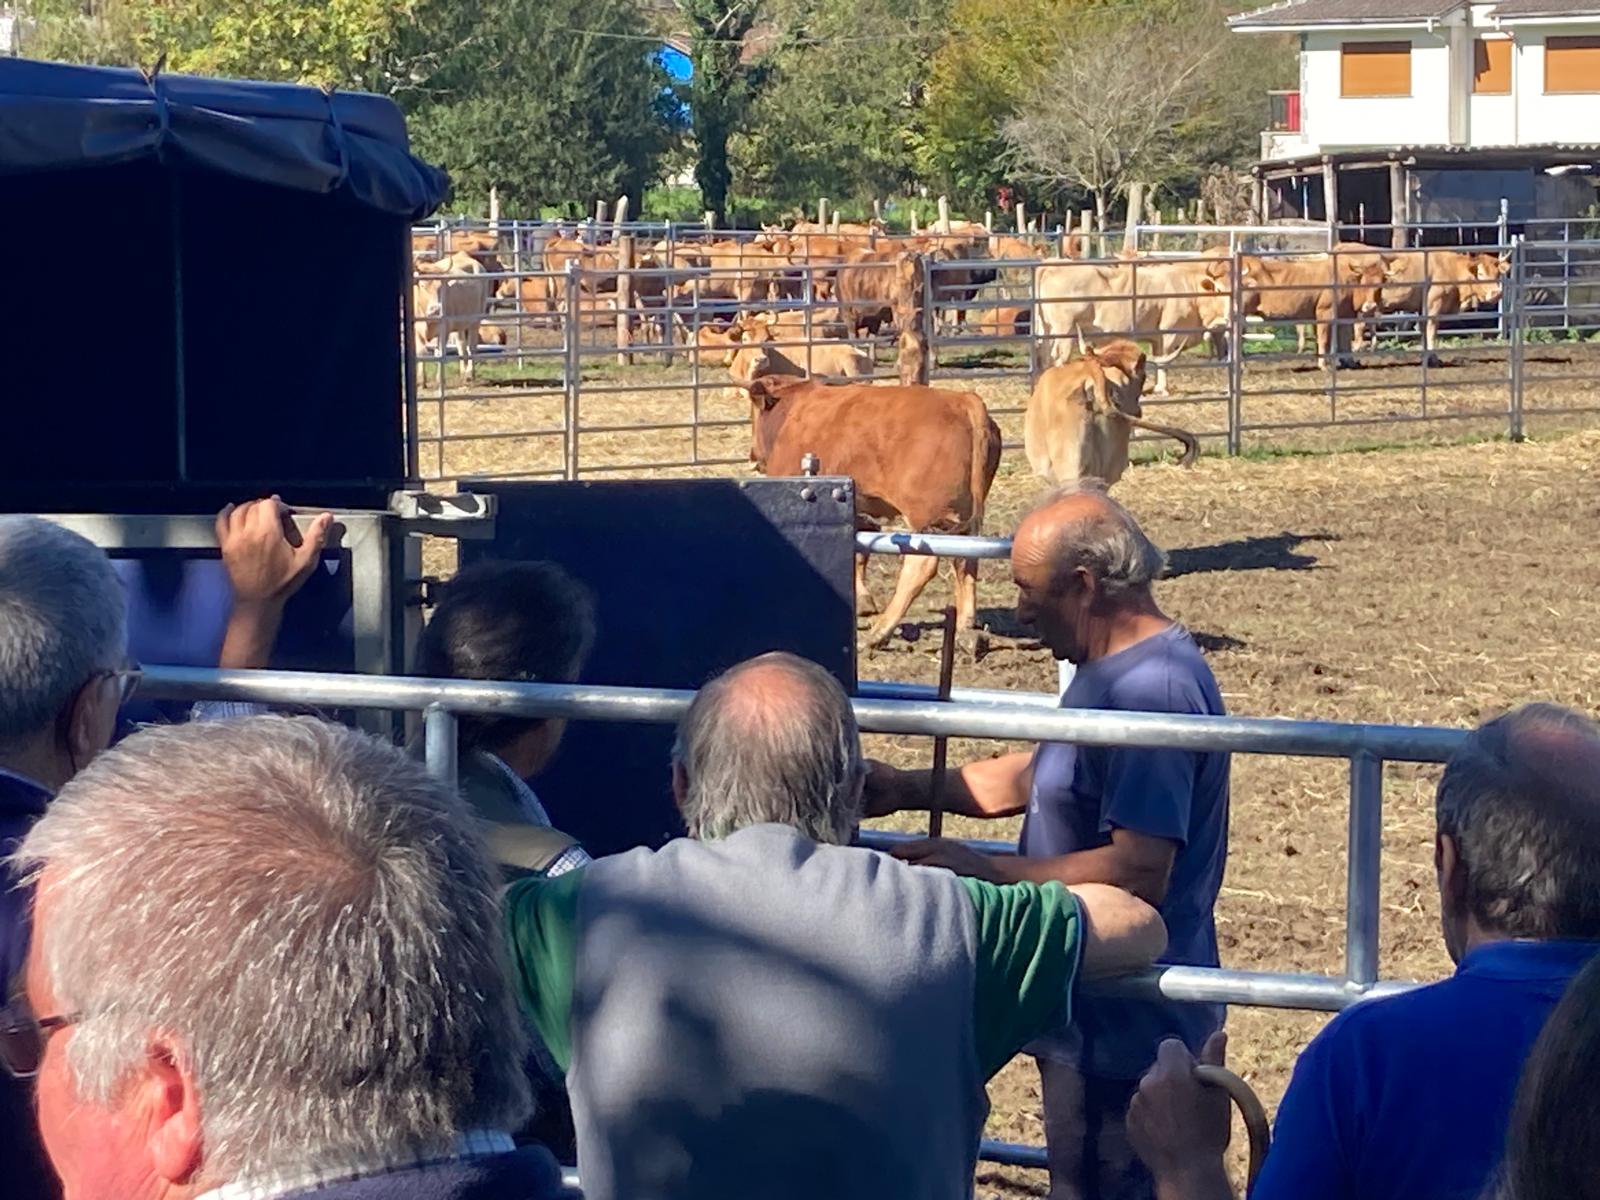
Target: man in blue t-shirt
[1154,822]
[1408,1098]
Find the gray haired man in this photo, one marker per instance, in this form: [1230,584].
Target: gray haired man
[1517,854]
[762,1009]
[1152,821]
[267,962]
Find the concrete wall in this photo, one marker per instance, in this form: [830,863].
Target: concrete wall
[1540,118]
[1334,122]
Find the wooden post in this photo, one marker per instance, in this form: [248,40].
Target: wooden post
[913,212]
[877,209]
[710,219]
[494,205]
[1022,216]
[988,220]
[822,212]
[1399,206]
[1330,198]
[624,290]
[1258,200]
[619,217]
[599,212]
[1155,238]
[944,214]
[1130,232]
[833,222]
[910,300]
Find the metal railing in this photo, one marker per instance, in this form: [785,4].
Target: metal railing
[903,709]
[601,369]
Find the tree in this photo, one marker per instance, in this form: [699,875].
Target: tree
[834,117]
[1115,104]
[724,83]
[548,115]
[1106,110]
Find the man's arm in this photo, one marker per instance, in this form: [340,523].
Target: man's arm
[1035,942]
[1135,862]
[267,560]
[541,921]
[988,787]
[1180,1127]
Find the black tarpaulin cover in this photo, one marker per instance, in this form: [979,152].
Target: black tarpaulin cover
[57,117]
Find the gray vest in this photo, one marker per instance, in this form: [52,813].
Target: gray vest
[762,1017]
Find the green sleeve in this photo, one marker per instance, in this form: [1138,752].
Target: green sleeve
[1030,937]
[542,924]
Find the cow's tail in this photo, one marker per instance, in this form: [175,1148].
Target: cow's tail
[1191,444]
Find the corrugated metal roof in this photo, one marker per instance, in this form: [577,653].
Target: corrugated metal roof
[1546,8]
[1347,12]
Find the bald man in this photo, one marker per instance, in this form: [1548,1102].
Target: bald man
[1154,822]
[762,1009]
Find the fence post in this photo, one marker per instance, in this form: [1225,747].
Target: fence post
[439,743]
[1235,353]
[1502,233]
[624,298]
[571,373]
[1515,299]
[1364,869]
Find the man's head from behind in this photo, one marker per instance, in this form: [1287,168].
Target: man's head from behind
[772,740]
[527,621]
[1079,559]
[63,640]
[1518,849]
[277,949]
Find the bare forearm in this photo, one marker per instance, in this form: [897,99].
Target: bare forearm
[1104,864]
[989,787]
[1201,1183]
[251,634]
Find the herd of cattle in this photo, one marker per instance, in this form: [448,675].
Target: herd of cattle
[927,455]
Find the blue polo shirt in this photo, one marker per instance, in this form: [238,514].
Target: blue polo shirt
[1081,793]
[1409,1097]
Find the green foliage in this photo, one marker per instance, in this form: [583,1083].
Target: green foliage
[833,119]
[547,115]
[723,86]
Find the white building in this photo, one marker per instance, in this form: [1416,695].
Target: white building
[1422,90]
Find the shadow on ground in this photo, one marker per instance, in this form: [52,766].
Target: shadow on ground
[1273,552]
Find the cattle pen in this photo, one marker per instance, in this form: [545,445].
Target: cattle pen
[1266,547]
[598,366]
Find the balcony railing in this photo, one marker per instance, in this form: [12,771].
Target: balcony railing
[1284,112]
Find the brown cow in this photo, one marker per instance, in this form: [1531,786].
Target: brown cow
[1080,416]
[1008,320]
[1305,289]
[1435,284]
[1170,303]
[865,288]
[925,455]
[759,353]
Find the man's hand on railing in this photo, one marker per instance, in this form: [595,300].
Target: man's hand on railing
[268,560]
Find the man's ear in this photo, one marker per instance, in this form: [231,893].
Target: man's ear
[87,719]
[170,1101]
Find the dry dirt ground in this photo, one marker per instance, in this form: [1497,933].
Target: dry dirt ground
[1417,584]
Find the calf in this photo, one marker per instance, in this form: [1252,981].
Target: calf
[1080,416]
[759,353]
[450,306]
[923,455]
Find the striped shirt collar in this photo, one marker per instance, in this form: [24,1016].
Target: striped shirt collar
[476,1143]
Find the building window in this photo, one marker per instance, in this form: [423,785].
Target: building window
[1491,66]
[1571,64]
[1375,69]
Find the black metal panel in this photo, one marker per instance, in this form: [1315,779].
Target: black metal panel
[207,340]
[691,576]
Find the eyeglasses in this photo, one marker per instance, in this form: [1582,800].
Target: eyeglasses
[23,1037]
[127,676]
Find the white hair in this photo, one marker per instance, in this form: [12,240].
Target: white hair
[312,918]
[63,616]
[1106,540]
[792,759]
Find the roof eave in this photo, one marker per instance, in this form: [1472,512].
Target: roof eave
[1322,26]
